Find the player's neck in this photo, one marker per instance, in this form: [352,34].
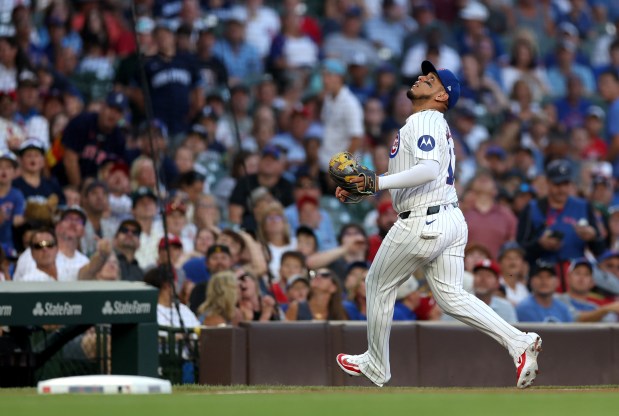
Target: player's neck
[421,107]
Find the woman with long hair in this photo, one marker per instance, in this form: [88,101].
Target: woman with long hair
[220,306]
[274,232]
[324,302]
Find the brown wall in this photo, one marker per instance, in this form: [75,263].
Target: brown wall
[422,354]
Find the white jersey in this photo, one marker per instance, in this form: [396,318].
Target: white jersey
[425,135]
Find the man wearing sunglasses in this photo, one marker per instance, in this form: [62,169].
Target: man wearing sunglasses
[126,243]
[44,249]
[69,229]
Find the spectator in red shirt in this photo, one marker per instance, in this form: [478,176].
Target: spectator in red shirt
[485,212]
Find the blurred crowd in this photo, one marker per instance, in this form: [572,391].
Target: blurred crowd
[185,143]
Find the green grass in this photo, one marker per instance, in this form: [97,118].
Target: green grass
[321,401]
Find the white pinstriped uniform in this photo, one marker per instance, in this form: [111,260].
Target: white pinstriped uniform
[434,242]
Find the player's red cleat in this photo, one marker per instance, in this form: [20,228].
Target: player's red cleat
[349,367]
[527,363]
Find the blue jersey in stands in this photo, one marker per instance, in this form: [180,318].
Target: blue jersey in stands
[563,221]
[171,82]
[11,204]
[530,311]
[82,135]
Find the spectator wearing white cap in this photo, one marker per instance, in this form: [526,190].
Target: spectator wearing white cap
[262,24]
[408,299]
[474,18]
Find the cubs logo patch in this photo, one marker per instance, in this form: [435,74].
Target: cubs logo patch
[426,143]
[395,147]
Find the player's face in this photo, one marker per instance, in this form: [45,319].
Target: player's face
[426,87]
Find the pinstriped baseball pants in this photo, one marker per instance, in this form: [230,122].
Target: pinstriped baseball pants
[438,247]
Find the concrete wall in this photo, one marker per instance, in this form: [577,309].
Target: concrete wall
[422,354]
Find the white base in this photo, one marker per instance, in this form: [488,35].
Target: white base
[105,384]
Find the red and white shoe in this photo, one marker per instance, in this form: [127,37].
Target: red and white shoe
[346,363]
[527,363]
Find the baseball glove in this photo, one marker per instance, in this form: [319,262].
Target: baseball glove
[343,167]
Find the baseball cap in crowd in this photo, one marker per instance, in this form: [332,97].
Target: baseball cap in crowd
[217,248]
[130,221]
[175,206]
[173,240]
[144,25]
[307,199]
[165,24]
[357,265]
[497,151]
[568,28]
[525,188]
[297,278]
[581,261]
[76,209]
[94,185]
[334,66]
[559,171]
[474,11]
[596,111]
[121,166]
[608,254]
[156,125]
[613,209]
[406,288]
[510,246]
[300,110]
[447,78]
[208,112]
[384,207]
[27,78]
[271,150]
[117,100]
[314,132]
[198,130]
[353,11]
[142,192]
[31,143]
[543,265]
[488,265]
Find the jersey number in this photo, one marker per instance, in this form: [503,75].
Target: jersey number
[450,171]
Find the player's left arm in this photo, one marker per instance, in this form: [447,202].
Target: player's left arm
[423,172]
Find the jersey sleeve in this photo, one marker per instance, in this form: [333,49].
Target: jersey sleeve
[429,136]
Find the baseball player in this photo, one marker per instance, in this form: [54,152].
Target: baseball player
[430,233]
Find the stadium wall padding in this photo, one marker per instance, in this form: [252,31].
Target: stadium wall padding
[424,354]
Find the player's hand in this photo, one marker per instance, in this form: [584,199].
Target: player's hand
[549,243]
[585,232]
[341,194]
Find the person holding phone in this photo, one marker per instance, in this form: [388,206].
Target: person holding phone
[559,227]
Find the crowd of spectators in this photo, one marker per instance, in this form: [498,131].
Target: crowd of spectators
[185,143]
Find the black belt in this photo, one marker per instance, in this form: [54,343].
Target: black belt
[431,210]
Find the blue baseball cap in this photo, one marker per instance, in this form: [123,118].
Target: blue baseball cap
[117,100]
[580,261]
[334,66]
[448,79]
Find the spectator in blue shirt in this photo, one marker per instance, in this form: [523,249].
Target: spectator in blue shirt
[407,300]
[541,305]
[608,87]
[12,202]
[241,59]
